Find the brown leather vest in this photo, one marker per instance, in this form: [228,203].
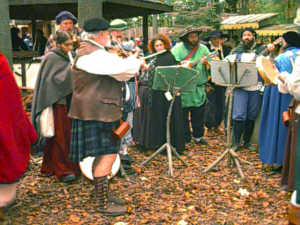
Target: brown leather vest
[95,97]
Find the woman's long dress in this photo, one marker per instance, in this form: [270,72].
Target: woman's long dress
[272,131]
[150,119]
[54,88]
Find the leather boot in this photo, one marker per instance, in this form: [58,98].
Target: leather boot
[249,127]
[238,129]
[106,207]
[113,198]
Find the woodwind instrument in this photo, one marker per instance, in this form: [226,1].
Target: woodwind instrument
[154,54]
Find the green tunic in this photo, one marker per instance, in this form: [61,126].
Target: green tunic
[197,98]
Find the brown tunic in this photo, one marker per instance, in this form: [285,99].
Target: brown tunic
[95,97]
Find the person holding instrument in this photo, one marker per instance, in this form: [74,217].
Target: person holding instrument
[96,108]
[155,105]
[193,103]
[272,131]
[117,27]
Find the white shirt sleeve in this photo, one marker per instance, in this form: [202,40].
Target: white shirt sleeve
[101,62]
[292,81]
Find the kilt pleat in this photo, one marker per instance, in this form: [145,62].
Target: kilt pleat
[92,138]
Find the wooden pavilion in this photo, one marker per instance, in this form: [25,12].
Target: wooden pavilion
[84,9]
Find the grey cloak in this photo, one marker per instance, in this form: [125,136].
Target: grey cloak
[53,84]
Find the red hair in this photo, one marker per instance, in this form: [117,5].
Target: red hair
[161,37]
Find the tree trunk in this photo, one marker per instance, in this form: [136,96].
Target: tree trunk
[232,5]
[5,38]
[154,25]
[145,33]
[245,8]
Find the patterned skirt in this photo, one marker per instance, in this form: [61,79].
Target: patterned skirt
[92,138]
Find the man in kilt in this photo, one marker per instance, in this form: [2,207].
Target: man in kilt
[96,107]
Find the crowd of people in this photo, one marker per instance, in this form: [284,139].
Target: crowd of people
[93,80]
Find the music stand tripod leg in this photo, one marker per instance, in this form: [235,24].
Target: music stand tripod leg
[216,161]
[170,162]
[238,166]
[232,154]
[154,154]
[177,155]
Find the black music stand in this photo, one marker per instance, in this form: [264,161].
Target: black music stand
[232,75]
[173,79]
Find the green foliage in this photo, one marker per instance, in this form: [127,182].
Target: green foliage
[211,16]
[285,8]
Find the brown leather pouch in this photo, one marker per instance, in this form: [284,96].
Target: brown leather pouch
[121,130]
[286,117]
[294,214]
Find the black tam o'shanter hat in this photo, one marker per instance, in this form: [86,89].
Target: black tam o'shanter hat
[95,25]
[292,38]
[65,15]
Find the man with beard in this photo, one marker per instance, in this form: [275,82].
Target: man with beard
[193,102]
[117,27]
[247,100]
[96,108]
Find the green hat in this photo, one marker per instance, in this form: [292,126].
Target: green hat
[118,24]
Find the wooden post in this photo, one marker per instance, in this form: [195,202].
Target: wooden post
[5,38]
[88,9]
[154,25]
[33,30]
[145,33]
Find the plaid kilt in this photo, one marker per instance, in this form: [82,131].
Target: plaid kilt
[92,138]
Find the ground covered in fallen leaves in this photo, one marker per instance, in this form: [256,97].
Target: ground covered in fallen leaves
[218,197]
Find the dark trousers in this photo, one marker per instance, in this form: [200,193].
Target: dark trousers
[197,121]
[214,109]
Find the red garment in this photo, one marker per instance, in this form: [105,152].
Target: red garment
[16,132]
[56,150]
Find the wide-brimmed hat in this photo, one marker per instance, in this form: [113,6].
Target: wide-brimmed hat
[188,30]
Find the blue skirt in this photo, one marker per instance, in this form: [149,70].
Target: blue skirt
[92,138]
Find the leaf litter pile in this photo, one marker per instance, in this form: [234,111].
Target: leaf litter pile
[218,197]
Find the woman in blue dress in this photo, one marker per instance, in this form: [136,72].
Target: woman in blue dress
[272,131]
